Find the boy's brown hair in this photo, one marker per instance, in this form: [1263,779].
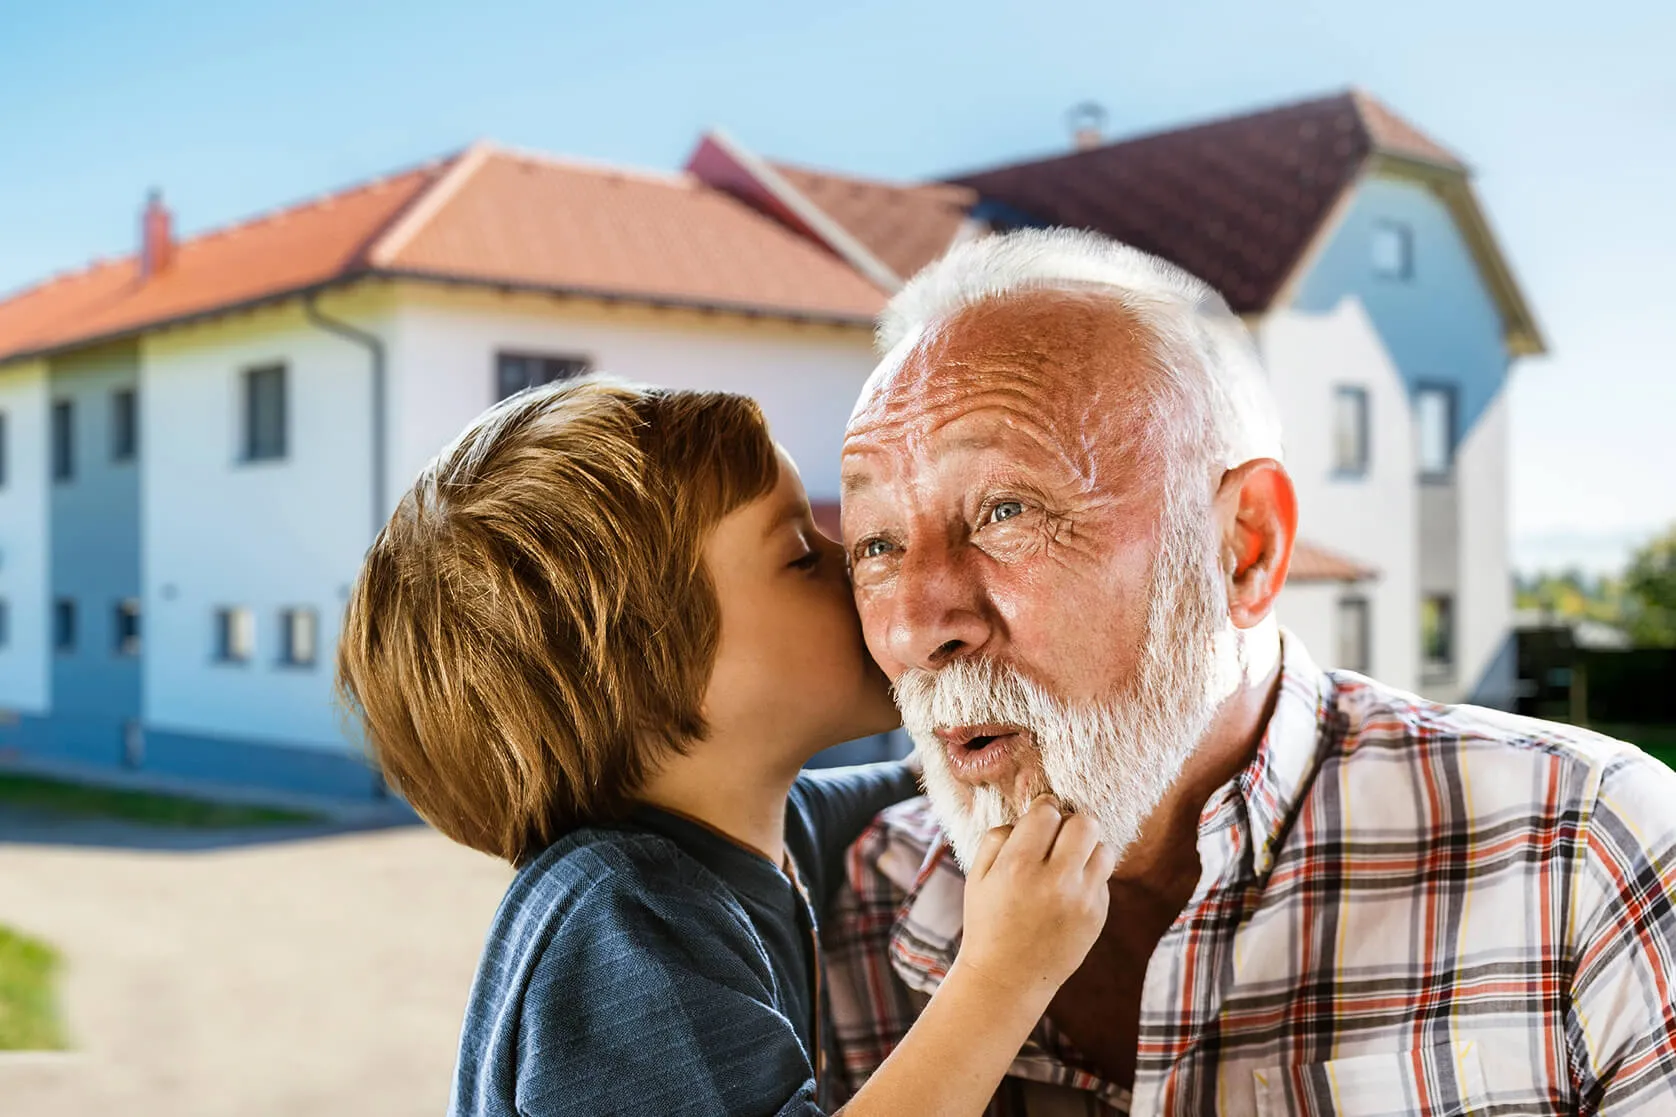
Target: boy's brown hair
[534,627]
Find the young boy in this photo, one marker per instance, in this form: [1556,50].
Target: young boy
[599,638]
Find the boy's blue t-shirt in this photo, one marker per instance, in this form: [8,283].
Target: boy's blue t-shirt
[657,967]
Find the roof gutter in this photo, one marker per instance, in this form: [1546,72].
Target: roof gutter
[375,353]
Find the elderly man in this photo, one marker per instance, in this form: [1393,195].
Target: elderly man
[1068,521]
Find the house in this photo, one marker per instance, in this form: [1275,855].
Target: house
[199,440]
[1389,321]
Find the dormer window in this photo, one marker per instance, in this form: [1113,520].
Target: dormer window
[1393,250]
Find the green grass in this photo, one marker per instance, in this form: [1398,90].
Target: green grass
[144,807]
[28,999]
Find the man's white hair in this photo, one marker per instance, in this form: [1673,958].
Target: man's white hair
[1199,345]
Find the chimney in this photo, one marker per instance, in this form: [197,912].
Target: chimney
[1088,125]
[157,241]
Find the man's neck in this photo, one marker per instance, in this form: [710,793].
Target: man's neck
[742,801]
[1165,855]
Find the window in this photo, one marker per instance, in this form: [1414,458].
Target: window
[516,371]
[1393,250]
[1434,416]
[2,449]
[63,440]
[264,413]
[235,635]
[1354,647]
[298,629]
[127,627]
[1437,633]
[64,625]
[1350,431]
[133,744]
[125,429]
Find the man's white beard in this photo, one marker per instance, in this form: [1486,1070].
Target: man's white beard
[1112,759]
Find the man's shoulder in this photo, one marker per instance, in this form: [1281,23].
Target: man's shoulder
[895,848]
[1377,726]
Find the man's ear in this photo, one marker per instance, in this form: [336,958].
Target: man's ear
[1257,514]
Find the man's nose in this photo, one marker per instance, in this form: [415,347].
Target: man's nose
[940,611]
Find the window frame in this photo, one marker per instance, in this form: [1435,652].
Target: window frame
[1434,668]
[61,435]
[1402,235]
[225,652]
[65,625]
[1357,601]
[1364,435]
[1451,411]
[125,425]
[582,362]
[126,644]
[250,451]
[288,618]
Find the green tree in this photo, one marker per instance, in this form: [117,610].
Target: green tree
[1650,590]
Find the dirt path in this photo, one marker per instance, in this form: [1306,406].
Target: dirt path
[323,977]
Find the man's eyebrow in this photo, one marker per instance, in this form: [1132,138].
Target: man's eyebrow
[853,483]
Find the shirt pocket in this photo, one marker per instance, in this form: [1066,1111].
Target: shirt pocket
[1444,1081]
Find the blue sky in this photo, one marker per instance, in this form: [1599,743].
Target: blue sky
[1568,116]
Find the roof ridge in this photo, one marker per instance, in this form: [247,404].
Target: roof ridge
[592,166]
[66,275]
[1211,121]
[398,233]
[822,224]
[929,186]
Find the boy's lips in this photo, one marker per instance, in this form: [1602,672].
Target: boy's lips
[982,754]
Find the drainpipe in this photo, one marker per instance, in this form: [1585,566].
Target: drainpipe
[375,350]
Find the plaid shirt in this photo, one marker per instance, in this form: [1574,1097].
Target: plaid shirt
[1403,908]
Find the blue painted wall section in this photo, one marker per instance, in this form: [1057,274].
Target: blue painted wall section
[95,562]
[1440,325]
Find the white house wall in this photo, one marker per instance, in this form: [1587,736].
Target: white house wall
[1309,611]
[1485,560]
[24,532]
[444,344]
[1370,518]
[218,531]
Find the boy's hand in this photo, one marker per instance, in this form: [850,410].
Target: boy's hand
[1036,900]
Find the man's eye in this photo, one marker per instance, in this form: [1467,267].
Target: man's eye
[808,561]
[873,548]
[1006,510]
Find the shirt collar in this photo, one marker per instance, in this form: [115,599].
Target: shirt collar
[744,868]
[1270,786]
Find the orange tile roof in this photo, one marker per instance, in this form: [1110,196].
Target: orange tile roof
[484,216]
[1312,563]
[287,250]
[906,226]
[526,219]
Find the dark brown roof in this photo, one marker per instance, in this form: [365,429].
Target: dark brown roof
[1235,201]
[905,226]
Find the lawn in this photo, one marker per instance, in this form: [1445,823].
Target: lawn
[144,807]
[28,1005]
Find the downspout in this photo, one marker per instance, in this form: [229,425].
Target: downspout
[375,350]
